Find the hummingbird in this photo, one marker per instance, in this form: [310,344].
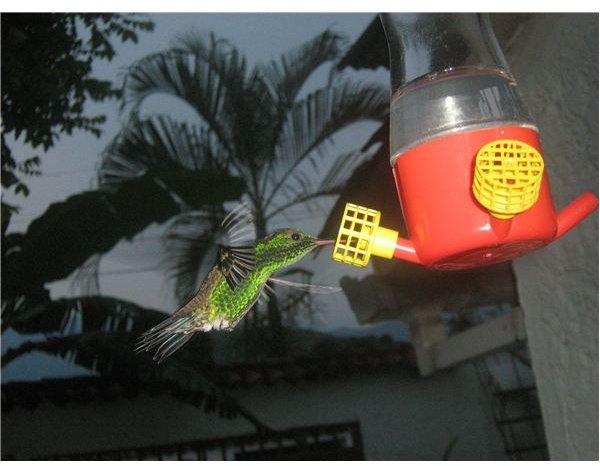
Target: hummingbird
[241,277]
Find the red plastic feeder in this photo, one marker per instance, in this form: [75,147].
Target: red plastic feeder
[452,226]
[466,155]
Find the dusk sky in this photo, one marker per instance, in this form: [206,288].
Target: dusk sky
[131,270]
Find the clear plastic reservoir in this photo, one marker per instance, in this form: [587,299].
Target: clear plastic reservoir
[448,74]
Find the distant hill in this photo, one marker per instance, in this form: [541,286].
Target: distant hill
[228,347]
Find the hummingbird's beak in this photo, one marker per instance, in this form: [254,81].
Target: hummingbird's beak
[324,242]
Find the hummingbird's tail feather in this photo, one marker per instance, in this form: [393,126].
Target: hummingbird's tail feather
[168,336]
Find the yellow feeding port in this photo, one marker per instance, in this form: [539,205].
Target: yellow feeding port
[508,176]
[360,236]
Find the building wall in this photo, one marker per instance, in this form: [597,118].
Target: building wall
[402,417]
[555,61]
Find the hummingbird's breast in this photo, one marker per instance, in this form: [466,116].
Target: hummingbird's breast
[229,304]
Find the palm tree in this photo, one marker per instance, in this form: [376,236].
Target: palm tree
[249,122]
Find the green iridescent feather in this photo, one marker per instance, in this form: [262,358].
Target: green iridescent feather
[272,253]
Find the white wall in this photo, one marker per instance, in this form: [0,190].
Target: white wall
[401,417]
[555,62]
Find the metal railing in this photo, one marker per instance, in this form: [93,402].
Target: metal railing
[509,385]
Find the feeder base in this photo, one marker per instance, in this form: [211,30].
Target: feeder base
[487,255]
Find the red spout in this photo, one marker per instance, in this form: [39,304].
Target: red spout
[405,250]
[575,212]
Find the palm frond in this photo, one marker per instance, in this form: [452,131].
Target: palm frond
[299,189]
[159,144]
[79,314]
[206,72]
[328,110]
[69,232]
[254,126]
[12,308]
[86,276]
[298,184]
[286,77]
[314,120]
[339,172]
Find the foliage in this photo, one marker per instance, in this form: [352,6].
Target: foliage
[93,222]
[46,78]
[253,135]
[67,316]
[98,333]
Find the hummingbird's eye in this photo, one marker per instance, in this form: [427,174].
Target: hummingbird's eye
[295,236]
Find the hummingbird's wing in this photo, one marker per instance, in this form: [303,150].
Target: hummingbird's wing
[235,264]
[237,256]
[238,227]
[316,289]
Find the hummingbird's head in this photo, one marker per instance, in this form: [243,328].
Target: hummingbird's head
[286,246]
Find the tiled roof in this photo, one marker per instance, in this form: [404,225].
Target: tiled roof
[400,355]
[88,389]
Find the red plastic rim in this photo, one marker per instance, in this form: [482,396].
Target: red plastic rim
[487,255]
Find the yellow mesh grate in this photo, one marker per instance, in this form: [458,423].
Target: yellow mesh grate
[508,175]
[355,238]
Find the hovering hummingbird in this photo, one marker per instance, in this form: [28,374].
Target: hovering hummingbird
[240,278]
